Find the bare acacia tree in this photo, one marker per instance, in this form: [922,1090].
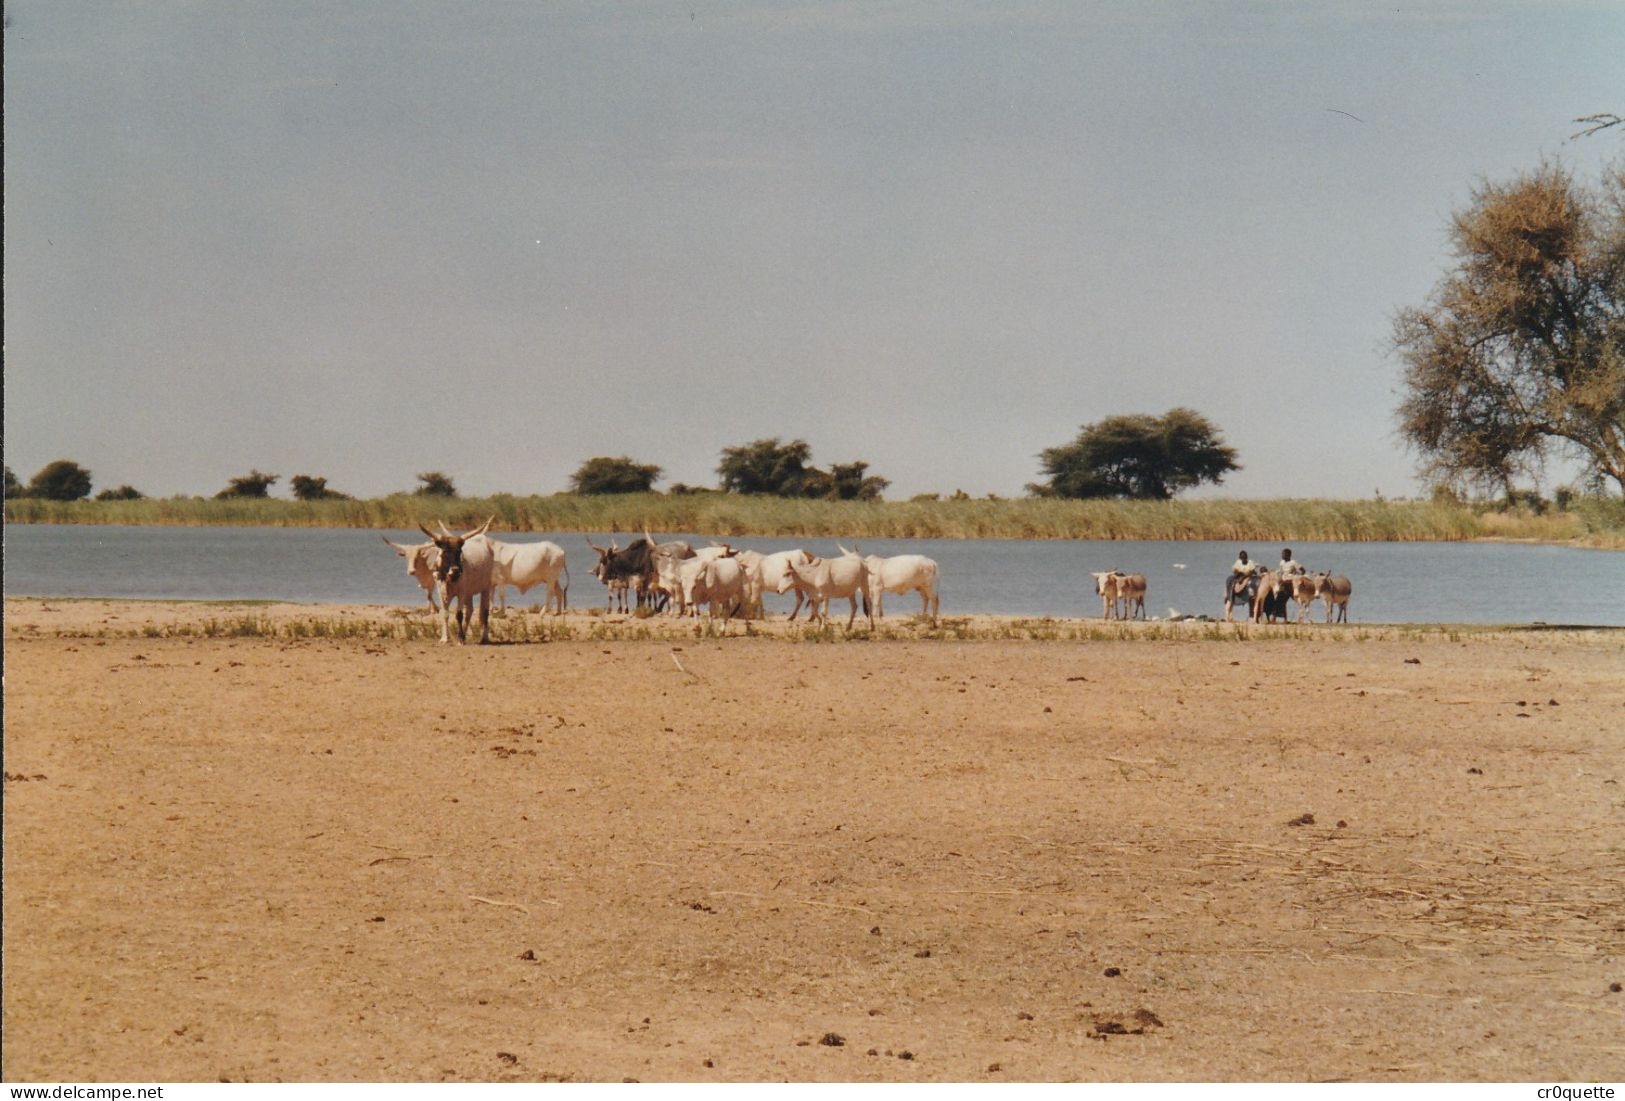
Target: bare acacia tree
[1521,346]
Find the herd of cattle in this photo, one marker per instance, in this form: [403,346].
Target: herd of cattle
[676,577]
[659,576]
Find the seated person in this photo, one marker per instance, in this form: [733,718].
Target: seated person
[1240,573]
[1289,566]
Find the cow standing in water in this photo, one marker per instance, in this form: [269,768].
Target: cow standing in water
[466,569]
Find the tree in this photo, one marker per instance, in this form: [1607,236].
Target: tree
[1521,347]
[14,488]
[307,488]
[252,484]
[122,493]
[606,475]
[62,480]
[848,482]
[1137,455]
[435,484]
[764,466]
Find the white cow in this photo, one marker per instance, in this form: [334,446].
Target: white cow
[827,578]
[674,575]
[463,572]
[421,560]
[904,573]
[526,565]
[766,573]
[718,581]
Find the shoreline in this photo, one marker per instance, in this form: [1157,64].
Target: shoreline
[124,618]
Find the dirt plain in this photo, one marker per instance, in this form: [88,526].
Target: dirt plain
[1332,856]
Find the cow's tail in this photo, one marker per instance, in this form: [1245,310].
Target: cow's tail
[564,597]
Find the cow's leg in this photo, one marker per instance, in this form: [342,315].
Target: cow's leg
[485,616]
[849,619]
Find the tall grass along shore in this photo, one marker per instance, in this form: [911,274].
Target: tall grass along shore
[1587,522]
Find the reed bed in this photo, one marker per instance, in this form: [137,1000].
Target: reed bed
[1589,522]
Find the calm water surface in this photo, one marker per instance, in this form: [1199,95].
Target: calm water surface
[1393,582]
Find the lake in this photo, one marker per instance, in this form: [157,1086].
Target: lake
[1393,582]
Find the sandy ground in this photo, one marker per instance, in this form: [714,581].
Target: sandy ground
[747,859]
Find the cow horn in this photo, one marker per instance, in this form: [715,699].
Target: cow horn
[647,538]
[397,546]
[479,530]
[441,524]
[595,549]
[433,538]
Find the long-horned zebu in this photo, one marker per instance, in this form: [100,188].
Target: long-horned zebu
[904,573]
[678,577]
[420,563]
[826,578]
[526,565]
[718,581]
[623,571]
[766,573]
[464,571]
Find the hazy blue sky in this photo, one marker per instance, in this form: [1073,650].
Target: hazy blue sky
[363,240]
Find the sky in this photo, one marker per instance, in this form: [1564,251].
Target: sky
[363,240]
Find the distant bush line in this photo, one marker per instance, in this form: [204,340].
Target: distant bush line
[1588,521]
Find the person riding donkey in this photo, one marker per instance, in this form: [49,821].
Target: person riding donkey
[1241,583]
